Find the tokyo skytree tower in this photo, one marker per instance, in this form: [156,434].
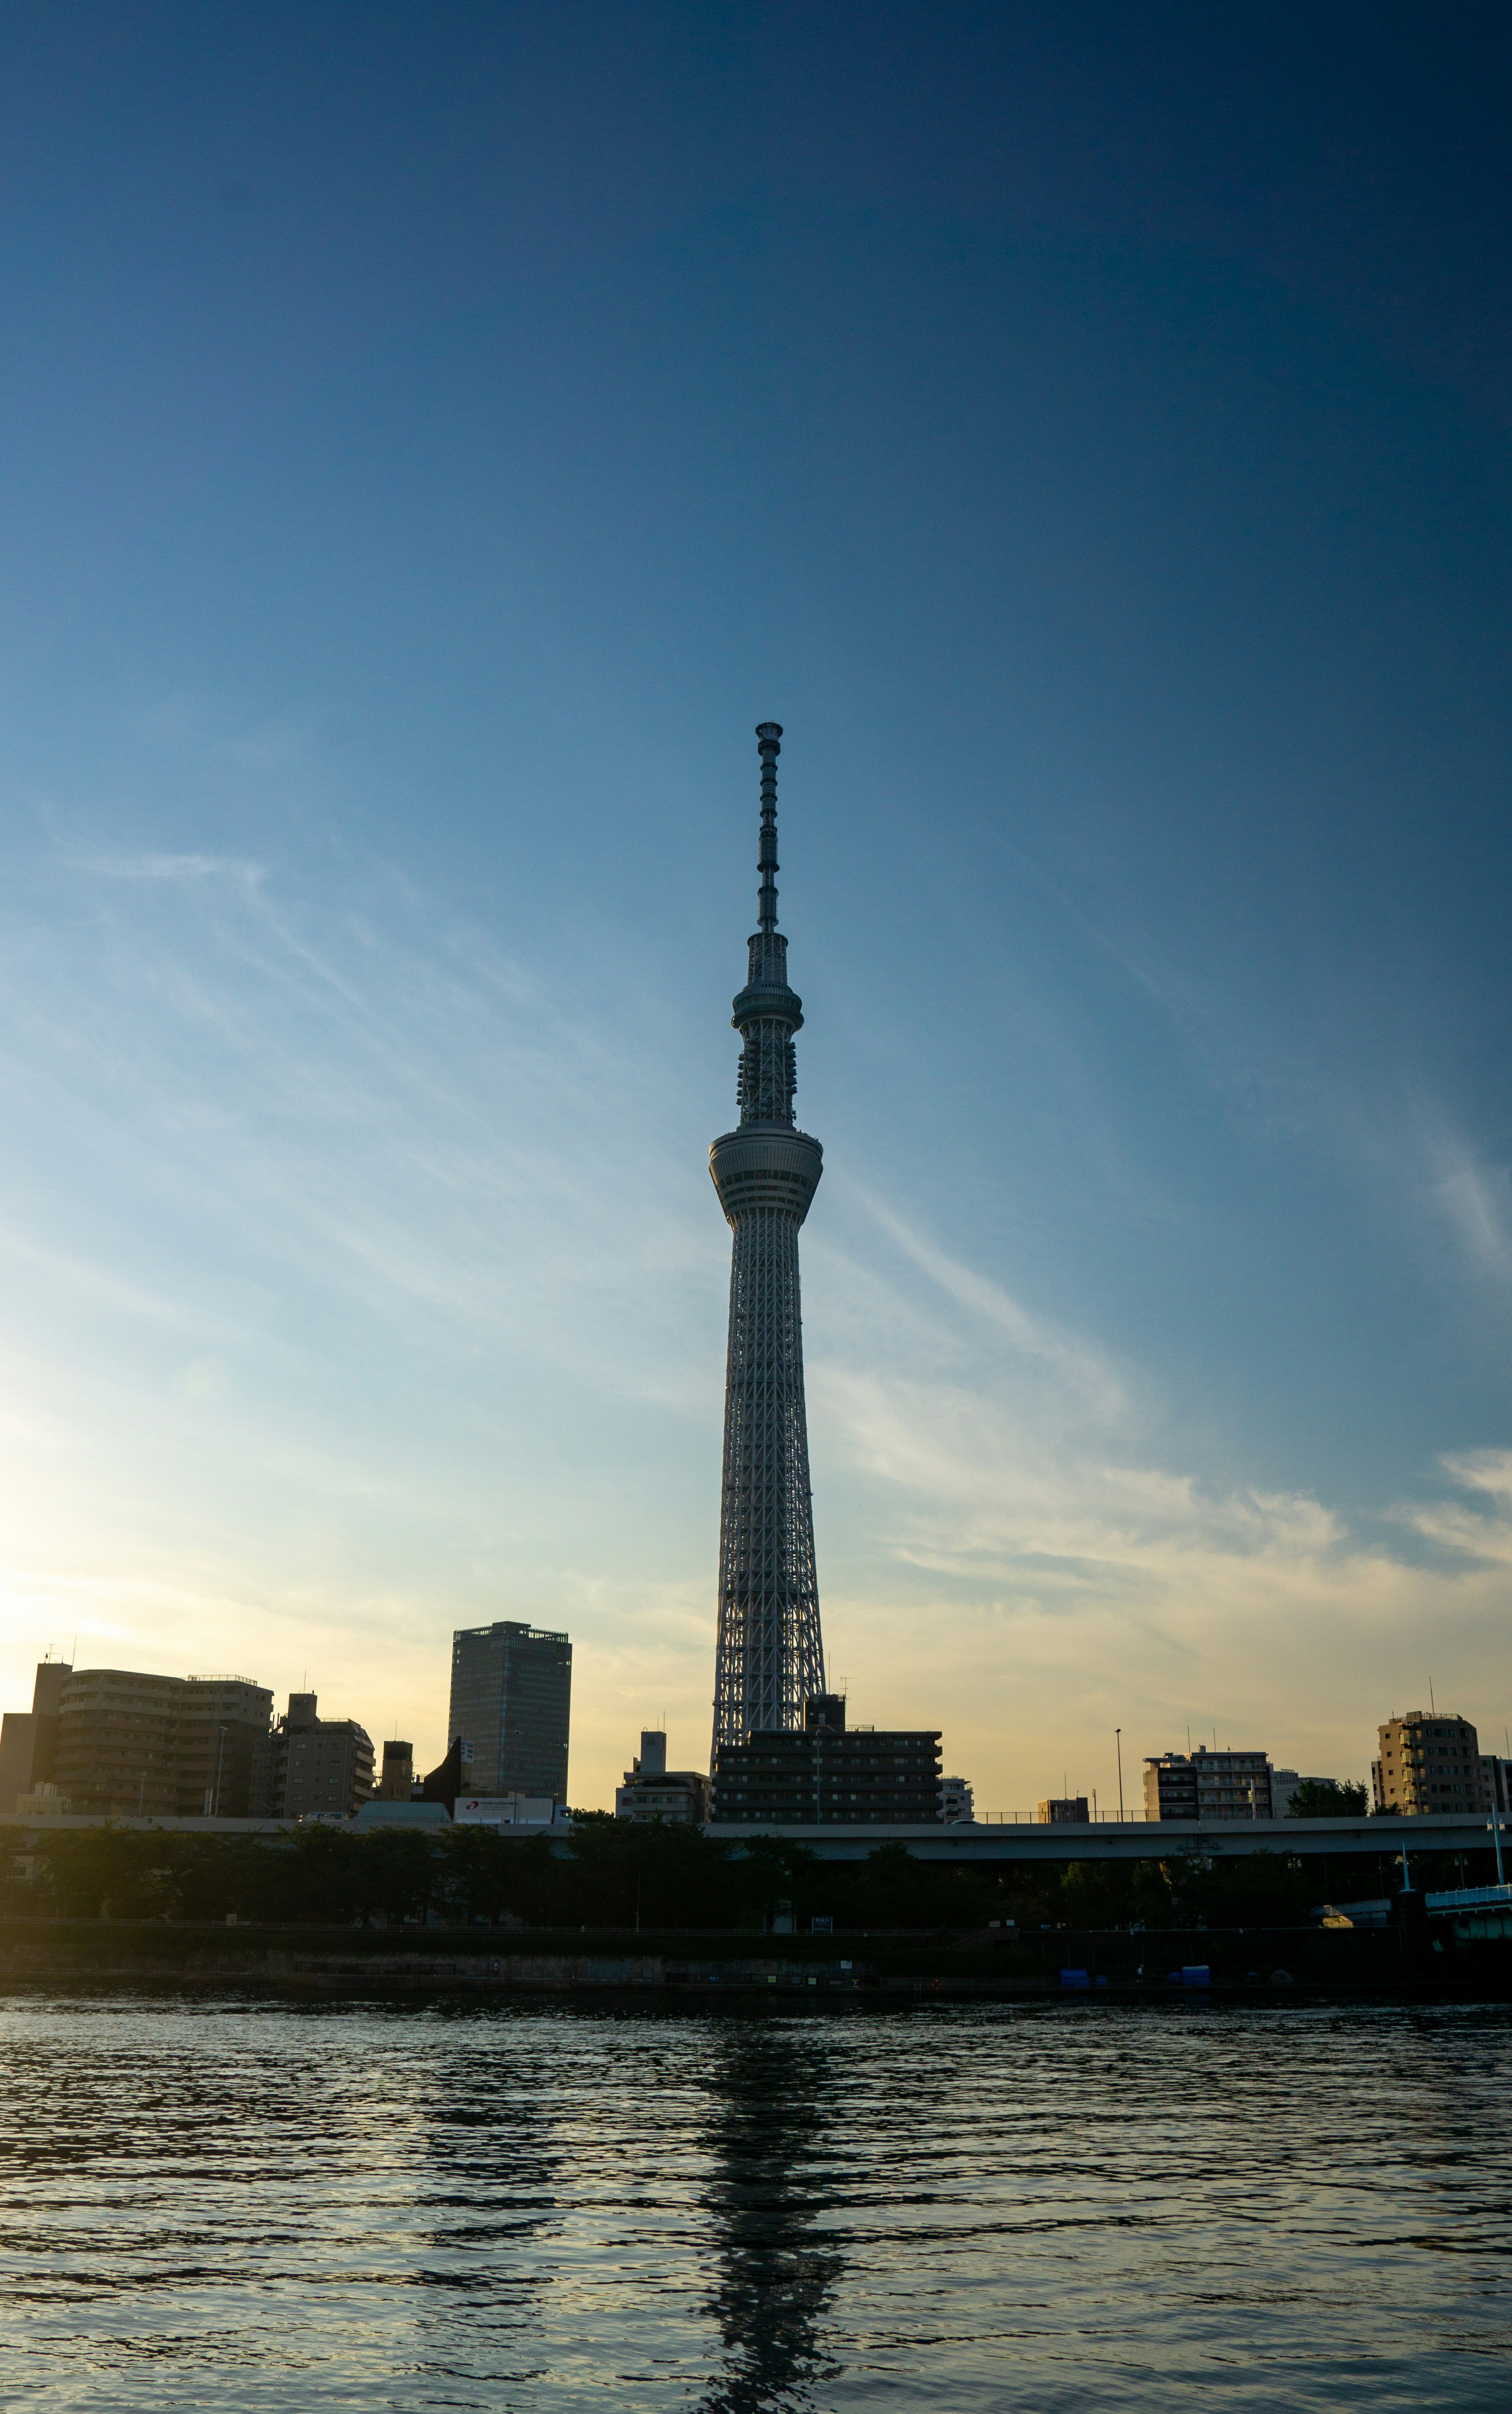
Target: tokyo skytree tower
[770,1655]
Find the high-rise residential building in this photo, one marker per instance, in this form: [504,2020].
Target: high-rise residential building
[956,1803]
[1062,1810]
[653,1791]
[133,1745]
[1205,1784]
[117,1743]
[29,1739]
[1496,1782]
[824,1775]
[224,1747]
[1429,1761]
[322,1768]
[770,1656]
[512,1700]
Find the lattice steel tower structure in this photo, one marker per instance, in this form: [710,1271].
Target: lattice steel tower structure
[771,1659]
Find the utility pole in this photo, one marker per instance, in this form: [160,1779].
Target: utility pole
[220,1755]
[1118,1742]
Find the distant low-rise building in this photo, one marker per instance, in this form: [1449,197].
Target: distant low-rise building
[1208,1785]
[956,1802]
[1429,1761]
[1062,1810]
[822,1774]
[43,1801]
[651,1790]
[1496,1782]
[322,1768]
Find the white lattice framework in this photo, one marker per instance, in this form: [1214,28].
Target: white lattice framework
[771,1657]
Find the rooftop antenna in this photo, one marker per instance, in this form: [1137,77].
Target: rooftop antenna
[1432,1711]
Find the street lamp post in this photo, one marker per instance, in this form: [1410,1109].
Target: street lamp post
[220,1755]
[1117,1740]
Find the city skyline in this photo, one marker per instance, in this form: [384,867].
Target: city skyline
[1090,445]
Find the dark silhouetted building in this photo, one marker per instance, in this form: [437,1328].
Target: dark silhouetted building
[511,1700]
[1062,1810]
[396,1783]
[823,1774]
[29,1739]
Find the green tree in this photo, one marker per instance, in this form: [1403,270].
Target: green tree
[768,1871]
[110,1872]
[1326,1797]
[396,1873]
[1114,1894]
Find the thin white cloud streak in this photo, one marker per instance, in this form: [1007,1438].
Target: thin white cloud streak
[1362,1109]
[1085,1370]
[1476,1201]
[418,1213]
[1032,1575]
[452,1248]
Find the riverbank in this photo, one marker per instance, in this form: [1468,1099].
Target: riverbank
[899,1964]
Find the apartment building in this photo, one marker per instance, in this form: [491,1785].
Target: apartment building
[1429,1761]
[1205,1784]
[322,1768]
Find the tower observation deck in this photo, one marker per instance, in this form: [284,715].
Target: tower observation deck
[771,1659]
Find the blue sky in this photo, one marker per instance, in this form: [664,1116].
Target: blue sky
[431,438]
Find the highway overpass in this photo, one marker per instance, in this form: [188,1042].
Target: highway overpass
[1138,1840]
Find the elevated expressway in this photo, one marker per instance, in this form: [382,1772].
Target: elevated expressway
[1138,1840]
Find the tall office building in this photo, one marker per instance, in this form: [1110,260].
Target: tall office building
[511,1704]
[770,1659]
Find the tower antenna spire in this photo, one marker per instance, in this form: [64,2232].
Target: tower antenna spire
[768,741]
[770,1662]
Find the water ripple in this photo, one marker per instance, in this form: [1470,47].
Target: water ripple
[261,2204]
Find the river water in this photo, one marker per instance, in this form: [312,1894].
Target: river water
[267,2204]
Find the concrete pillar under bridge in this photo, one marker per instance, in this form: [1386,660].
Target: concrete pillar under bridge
[1135,1839]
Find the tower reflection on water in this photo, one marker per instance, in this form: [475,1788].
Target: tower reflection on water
[776,2269]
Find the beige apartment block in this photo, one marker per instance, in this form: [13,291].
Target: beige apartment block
[1428,1762]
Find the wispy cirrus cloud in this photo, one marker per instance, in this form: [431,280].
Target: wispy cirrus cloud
[1476,1200]
[1034,1563]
